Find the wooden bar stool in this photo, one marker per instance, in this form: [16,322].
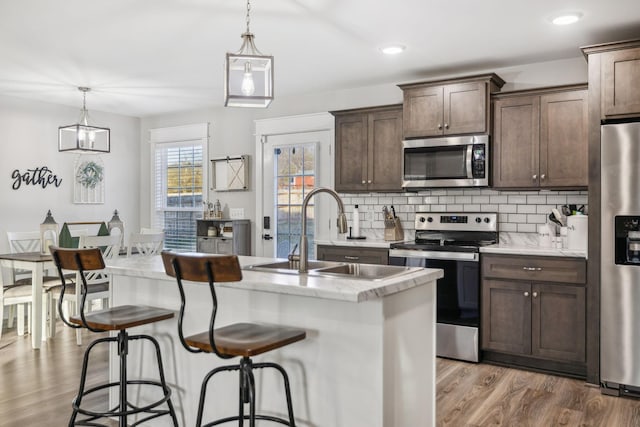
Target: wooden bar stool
[119,319]
[242,340]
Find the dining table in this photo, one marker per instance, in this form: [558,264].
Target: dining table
[37,263]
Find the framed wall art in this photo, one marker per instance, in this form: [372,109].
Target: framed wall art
[88,180]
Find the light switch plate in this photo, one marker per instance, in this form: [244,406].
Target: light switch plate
[236,213]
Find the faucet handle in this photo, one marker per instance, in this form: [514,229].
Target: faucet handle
[293,251]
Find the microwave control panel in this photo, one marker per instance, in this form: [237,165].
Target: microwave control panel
[478,161]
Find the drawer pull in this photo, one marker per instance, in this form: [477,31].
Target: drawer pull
[526,294]
[535,294]
[532,268]
[352,258]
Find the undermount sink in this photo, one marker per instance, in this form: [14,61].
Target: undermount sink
[363,271]
[288,267]
[334,269]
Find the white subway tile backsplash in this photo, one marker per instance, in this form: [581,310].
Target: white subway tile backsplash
[508,208]
[430,200]
[557,200]
[518,200]
[536,219]
[536,200]
[518,218]
[488,208]
[519,211]
[480,199]
[507,226]
[399,200]
[498,199]
[526,209]
[445,200]
[577,200]
[527,228]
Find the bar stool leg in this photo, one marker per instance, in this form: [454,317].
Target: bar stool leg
[123,350]
[83,378]
[287,387]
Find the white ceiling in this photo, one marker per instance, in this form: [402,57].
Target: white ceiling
[144,57]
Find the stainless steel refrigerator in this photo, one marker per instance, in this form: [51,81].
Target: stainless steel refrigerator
[620,259]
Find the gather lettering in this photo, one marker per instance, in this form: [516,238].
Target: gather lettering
[40,176]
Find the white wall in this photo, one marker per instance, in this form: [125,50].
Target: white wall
[28,139]
[232,129]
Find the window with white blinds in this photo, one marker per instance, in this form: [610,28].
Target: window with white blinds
[179,176]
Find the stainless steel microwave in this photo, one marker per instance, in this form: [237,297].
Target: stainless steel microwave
[460,161]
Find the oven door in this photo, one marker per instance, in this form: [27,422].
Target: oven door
[445,162]
[458,299]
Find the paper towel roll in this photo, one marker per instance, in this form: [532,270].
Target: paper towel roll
[577,231]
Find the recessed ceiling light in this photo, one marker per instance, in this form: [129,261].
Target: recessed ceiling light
[567,18]
[392,49]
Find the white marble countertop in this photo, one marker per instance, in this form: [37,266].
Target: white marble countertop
[369,243]
[527,244]
[342,288]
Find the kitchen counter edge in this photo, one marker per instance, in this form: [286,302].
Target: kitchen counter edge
[342,289]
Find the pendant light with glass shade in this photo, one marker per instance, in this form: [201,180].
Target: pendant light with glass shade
[248,74]
[83,137]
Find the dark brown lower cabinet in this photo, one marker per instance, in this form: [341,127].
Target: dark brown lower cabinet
[534,323]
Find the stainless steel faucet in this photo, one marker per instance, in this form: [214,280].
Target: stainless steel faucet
[342,223]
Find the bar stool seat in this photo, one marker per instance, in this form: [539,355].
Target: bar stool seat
[242,340]
[246,339]
[122,317]
[119,318]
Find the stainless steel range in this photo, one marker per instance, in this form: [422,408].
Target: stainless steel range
[452,241]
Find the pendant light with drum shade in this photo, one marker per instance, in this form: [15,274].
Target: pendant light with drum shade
[83,137]
[248,74]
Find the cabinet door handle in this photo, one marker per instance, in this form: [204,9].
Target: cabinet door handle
[532,268]
[534,177]
[542,176]
[369,182]
[535,294]
[446,125]
[364,182]
[439,126]
[351,258]
[526,294]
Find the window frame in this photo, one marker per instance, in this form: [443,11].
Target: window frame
[162,139]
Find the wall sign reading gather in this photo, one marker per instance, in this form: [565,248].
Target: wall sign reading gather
[40,176]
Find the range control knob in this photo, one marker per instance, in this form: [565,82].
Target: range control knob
[478,220]
[430,219]
[422,219]
[487,220]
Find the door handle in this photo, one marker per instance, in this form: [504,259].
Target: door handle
[267,237]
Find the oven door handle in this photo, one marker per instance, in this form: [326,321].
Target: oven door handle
[453,256]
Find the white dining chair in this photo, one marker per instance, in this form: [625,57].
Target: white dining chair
[24,242]
[145,244]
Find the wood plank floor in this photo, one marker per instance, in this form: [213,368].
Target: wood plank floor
[36,389]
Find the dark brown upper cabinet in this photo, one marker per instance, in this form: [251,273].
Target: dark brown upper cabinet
[619,78]
[448,107]
[540,138]
[368,155]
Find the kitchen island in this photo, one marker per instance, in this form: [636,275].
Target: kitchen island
[368,359]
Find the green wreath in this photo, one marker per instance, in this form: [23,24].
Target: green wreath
[89,174]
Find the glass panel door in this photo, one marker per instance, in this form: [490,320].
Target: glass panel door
[295,176]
